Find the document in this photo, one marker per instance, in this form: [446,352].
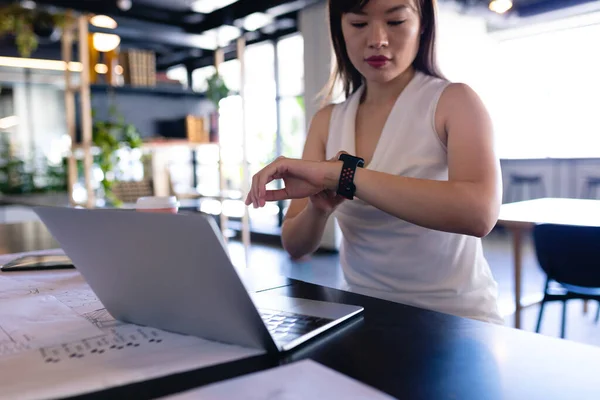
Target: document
[302,380]
[57,340]
[32,322]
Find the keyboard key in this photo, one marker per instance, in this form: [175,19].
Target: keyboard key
[285,326]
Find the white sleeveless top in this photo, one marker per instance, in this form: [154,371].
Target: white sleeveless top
[386,257]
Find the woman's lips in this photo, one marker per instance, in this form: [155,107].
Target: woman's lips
[377,61]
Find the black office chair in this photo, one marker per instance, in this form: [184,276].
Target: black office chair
[524,187]
[570,257]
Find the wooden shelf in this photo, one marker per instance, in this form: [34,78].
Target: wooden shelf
[148,90]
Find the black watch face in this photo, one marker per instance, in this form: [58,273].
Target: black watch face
[347,157]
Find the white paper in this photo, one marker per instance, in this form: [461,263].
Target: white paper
[33,322]
[125,354]
[81,348]
[303,380]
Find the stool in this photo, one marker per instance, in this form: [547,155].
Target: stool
[520,184]
[590,190]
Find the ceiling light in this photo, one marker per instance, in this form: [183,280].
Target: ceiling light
[105,42]
[256,21]
[119,70]
[28,4]
[103,21]
[223,35]
[37,63]
[207,42]
[208,6]
[124,5]
[500,6]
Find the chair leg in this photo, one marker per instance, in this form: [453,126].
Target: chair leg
[539,321]
[564,320]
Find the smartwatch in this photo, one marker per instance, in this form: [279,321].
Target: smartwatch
[346,187]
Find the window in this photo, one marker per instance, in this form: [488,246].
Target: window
[179,73]
[230,70]
[291,95]
[539,81]
[546,99]
[274,118]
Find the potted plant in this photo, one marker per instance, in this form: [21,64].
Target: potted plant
[217,91]
[110,136]
[29,25]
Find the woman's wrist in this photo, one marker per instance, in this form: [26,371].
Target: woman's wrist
[332,174]
[317,212]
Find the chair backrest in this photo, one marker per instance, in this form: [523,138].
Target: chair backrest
[569,254]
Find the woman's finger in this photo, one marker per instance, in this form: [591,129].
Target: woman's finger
[253,190]
[277,195]
[268,175]
[337,156]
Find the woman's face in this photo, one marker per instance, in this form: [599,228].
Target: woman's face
[382,39]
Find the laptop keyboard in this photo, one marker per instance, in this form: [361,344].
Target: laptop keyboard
[285,326]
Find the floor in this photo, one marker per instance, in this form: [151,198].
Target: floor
[324,269]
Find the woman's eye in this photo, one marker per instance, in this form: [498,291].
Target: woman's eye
[359,24]
[395,23]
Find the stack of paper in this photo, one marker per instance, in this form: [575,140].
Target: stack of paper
[303,380]
[57,340]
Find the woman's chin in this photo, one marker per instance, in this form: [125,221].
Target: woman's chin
[380,77]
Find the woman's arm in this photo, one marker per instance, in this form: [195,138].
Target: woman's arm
[304,223]
[469,201]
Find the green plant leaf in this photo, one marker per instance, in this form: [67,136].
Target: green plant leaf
[217,89]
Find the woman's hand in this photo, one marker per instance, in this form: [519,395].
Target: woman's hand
[326,201]
[316,180]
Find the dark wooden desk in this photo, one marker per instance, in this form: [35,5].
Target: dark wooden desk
[416,354]
[407,352]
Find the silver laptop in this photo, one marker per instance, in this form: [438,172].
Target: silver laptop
[173,272]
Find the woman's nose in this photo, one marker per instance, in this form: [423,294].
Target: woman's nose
[378,36]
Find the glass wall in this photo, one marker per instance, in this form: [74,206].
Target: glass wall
[540,82]
[290,52]
[33,132]
[274,104]
[546,103]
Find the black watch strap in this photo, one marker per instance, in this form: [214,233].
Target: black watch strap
[346,187]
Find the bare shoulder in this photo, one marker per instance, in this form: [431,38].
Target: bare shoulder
[322,118]
[314,148]
[459,96]
[458,102]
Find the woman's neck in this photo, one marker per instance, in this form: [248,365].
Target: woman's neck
[383,93]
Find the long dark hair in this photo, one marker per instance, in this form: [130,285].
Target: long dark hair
[425,60]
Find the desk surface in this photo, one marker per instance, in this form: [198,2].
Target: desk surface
[416,354]
[551,210]
[407,352]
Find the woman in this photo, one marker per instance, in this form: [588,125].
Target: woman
[430,187]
